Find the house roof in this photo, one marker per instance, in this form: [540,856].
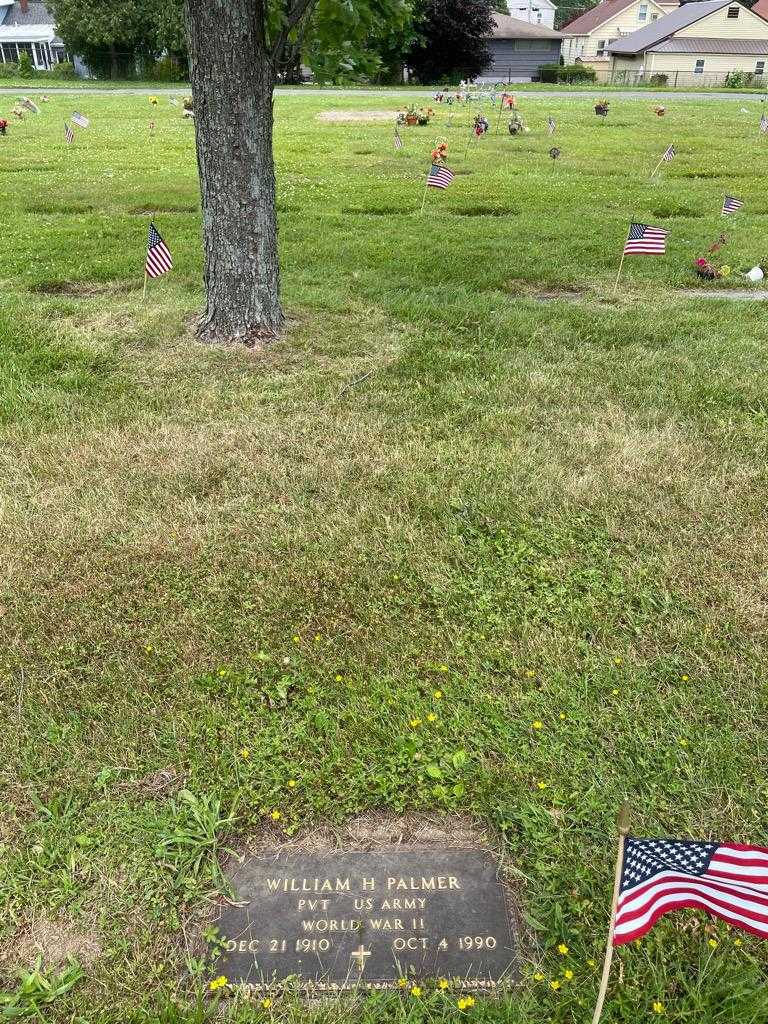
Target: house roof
[761,8]
[605,10]
[650,35]
[693,44]
[513,28]
[36,14]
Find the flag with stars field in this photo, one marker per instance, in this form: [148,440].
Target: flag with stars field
[727,880]
[645,240]
[731,205]
[439,176]
[669,154]
[69,135]
[764,124]
[159,259]
[80,119]
[398,140]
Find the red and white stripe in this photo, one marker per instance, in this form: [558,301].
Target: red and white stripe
[734,887]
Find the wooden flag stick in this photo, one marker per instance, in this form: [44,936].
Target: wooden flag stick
[623,827]
[146,275]
[658,165]
[426,189]
[618,275]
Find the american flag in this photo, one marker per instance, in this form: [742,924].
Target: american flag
[158,257]
[731,205]
[80,120]
[727,880]
[763,124]
[669,153]
[30,105]
[551,126]
[439,176]
[69,135]
[398,140]
[645,240]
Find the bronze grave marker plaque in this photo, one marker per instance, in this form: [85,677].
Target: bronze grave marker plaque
[343,920]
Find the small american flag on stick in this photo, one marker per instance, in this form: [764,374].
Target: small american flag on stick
[551,126]
[644,240]
[69,135]
[726,880]
[731,205]
[398,140]
[159,259]
[763,124]
[669,153]
[439,176]
[80,119]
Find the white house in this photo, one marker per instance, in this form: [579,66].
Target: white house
[586,38]
[27,25]
[698,44]
[535,12]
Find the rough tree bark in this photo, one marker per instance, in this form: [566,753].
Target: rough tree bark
[232,76]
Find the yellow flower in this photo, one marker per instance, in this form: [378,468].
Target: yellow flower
[431,717]
[713,943]
[266,1003]
[562,716]
[443,668]
[541,785]
[615,693]
[591,963]
[658,1007]
[466,1003]
[297,639]
[684,678]
[683,742]
[245,753]
[217,983]
[530,674]
[291,783]
[442,984]
[438,694]
[725,270]
[402,982]
[276,815]
[554,985]
[222,672]
[617,661]
[537,724]
[149,648]
[568,975]
[416,991]
[562,949]
[737,942]
[415,723]
[339,679]
[538,976]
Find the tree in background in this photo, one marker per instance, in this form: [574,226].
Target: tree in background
[356,42]
[114,36]
[451,39]
[237,52]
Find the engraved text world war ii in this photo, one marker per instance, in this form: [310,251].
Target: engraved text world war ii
[334,921]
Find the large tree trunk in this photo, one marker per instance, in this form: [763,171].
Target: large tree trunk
[232,80]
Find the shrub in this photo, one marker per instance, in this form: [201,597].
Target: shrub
[26,67]
[567,73]
[168,69]
[659,79]
[9,70]
[64,69]
[739,79]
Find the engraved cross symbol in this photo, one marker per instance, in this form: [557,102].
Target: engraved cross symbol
[360,955]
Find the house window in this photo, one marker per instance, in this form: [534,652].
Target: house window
[601,47]
[642,14]
[733,12]
[699,69]
[538,17]
[654,17]
[760,67]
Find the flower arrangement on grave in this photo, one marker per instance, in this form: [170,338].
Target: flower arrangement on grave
[508,101]
[3,126]
[440,153]
[414,115]
[516,124]
[601,108]
[153,100]
[18,112]
[481,124]
[659,111]
[707,267]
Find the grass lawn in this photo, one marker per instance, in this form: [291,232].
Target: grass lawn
[550,510]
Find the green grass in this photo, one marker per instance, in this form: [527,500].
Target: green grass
[551,511]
